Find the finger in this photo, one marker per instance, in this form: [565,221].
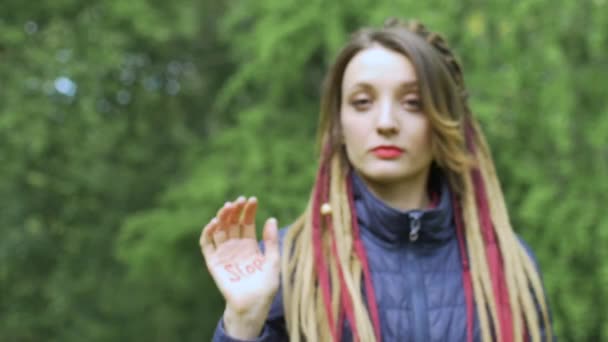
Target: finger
[234,227]
[237,206]
[219,236]
[248,222]
[219,233]
[206,239]
[223,214]
[271,241]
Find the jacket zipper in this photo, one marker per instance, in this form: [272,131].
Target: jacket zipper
[414,227]
[419,319]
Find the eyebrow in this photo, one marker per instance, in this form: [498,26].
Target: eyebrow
[411,85]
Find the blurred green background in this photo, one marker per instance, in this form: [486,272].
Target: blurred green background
[124,125]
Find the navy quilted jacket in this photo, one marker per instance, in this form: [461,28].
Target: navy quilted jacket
[416,270]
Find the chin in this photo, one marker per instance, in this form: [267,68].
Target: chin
[384,176]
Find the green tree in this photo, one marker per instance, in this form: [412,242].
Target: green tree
[124,126]
[100,105]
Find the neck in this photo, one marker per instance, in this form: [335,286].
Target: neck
[404,194]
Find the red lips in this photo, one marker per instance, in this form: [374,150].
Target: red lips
[387,152]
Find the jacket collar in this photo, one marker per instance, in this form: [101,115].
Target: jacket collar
[396,227]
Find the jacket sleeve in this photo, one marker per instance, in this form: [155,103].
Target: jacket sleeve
[543,328]
[274,328]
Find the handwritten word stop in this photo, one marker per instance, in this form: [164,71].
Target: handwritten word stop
[239,271]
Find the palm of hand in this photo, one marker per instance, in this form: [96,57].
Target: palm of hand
[244,275]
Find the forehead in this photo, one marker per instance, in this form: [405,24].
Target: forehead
[379,66]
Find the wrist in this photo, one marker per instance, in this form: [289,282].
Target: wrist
[245,325]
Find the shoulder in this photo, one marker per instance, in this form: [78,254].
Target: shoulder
[282,233]
[529,251]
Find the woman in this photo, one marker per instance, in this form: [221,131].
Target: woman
[406,236]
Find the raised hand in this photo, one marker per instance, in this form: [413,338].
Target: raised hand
[247,278]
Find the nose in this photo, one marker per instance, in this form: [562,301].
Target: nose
[386,123]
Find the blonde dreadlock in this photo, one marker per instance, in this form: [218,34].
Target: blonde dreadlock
[520,272]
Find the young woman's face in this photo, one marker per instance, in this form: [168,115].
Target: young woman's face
[387,135]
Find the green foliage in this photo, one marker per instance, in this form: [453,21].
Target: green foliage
[124,126]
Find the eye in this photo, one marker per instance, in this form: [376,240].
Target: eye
[412,103]
[361,103]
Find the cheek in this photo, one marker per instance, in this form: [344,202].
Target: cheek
[351,131]
[422,135]
[353,138]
